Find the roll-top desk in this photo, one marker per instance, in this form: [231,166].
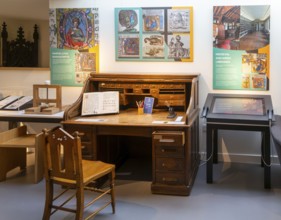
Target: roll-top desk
[174,141]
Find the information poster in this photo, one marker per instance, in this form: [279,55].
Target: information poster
[74,43]
[241,47]
[154,34]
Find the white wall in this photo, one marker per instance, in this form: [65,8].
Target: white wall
[242,146]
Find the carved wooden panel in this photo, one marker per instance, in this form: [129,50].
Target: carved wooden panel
[19,52]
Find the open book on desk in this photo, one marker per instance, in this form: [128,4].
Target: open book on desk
[97,103]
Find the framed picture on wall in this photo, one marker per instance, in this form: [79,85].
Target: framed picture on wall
[154,34]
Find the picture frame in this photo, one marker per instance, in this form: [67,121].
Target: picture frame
[154,34]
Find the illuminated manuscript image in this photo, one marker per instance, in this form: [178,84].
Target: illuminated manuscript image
[153,20]
[84,64]
[128,21]
[154,34]
[153,46]
[74,42]
[128,46]
[254,68]
[179,46]
[75,28]
[178,20]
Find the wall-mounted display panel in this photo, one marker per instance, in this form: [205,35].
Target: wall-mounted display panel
[154,34]
[241,47]
[74,41]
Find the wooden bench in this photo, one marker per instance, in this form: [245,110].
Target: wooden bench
[13,144]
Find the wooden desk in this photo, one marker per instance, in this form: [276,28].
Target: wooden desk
[174,159]
[175,145]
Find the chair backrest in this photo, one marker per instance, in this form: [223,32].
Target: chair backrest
[63,157]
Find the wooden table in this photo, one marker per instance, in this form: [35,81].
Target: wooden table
[13,117]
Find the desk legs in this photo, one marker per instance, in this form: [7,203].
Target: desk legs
[267,161]
[210,155]
[215,145]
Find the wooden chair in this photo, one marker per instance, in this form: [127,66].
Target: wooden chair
[64,166]
[13,144]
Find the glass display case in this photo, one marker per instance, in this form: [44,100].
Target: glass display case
[238,112]
[235,108]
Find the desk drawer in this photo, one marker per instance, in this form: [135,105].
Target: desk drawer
[163,102]
[168,138]
[169,151]
[169,164]
[170,178]
[172,97]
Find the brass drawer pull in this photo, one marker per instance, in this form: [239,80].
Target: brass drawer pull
[168,150]
[174,180]
[167,140]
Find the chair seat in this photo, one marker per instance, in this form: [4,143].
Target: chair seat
[92,170]
[95,169]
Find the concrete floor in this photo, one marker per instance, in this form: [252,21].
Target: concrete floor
[237,193]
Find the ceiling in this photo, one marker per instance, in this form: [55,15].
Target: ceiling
[25,9]
[259,12]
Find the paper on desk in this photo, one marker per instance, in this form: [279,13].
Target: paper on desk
[169,122]
[91,119]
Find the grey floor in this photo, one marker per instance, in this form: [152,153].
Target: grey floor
[237,193]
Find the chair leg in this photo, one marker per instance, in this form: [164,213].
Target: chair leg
[39,158]
[112,194]
[79,203]
[49,200]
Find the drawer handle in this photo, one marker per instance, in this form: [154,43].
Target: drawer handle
[167,140]
[174,180]
[168,150]
[163,165]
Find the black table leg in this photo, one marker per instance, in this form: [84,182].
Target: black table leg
[209,145]
[215,145]
[267,161]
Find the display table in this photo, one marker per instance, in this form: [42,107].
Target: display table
[13,117]
[238,112]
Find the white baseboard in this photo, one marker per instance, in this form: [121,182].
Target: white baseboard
[241,158]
